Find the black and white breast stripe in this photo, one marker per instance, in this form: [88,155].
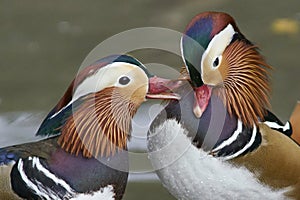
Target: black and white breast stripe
[274,123]
[31,179]
[242,141]
[285,129]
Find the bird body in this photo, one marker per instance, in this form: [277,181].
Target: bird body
[195,174]
[270,155]
[192,161]
[84,155]
[222,125]
[52,173]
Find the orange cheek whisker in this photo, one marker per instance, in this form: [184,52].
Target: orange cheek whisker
[100,127]
[246,82]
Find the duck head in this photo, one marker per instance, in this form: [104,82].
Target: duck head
[94,115]
[220,60]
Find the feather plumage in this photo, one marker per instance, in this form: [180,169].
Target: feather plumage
[105,118]
[246,82]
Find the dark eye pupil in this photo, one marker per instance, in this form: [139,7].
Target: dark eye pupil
[124,80]
[216,62]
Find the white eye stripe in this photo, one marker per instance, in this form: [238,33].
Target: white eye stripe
[104,77]
[217,46]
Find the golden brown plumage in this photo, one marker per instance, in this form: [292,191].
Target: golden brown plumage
[275,163]
[246,82]
[106,116]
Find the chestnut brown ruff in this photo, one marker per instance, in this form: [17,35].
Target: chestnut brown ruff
[246,82]
[99,126]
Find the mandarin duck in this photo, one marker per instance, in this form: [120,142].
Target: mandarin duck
[220,141]
[84,154]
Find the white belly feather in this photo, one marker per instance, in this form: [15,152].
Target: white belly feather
[190,173]
[105,193]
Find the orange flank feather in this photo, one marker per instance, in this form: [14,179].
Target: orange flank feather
[100,126]
[246,82]
[295,121]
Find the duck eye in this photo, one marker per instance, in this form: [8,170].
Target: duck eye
[216,62]
[124,80]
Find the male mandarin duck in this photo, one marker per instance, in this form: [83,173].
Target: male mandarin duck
[84,155]
[220,141]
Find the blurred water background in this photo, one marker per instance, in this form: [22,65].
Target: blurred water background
[43,43]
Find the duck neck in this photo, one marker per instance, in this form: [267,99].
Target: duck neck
[238,142]
[217,131]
